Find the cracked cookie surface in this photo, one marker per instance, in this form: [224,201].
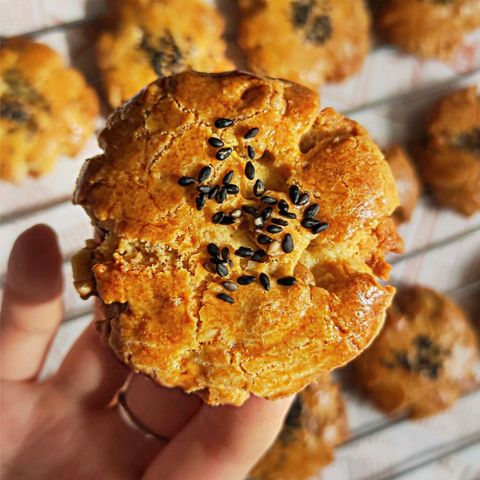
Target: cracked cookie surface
[151,38]
[315,424]
[306,41]
[424,357]
[450,161]
[304,299]
[47,110]
[428,28]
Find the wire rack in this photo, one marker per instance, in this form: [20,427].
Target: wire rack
[389,97]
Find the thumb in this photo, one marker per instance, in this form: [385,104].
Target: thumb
[221,442]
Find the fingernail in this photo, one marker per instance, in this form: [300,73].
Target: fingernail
[35,266]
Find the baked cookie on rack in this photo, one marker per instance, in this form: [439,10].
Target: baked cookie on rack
[315,425]
[306,41]
[428,28]
[407,182]
[450,161]
[147,39]
[424,357]
[47,110]
[243,234]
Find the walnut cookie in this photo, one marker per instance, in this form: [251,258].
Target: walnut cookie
[47,110]
[315,424]
[428,28]
[151,38]
[306,41]
[424,357]
[243,233]
[450,161]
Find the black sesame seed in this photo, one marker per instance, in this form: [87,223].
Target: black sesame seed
[265,281]
[226,254]
[223,123]
[304,199]
[259,254]
[258,222]
[320,228]
[186,181]
[283,213]
[228,221]
[287,244]
[310,222]
[204,189]
[250,152]
[267,213]
[209,268]
[222,270]
[223,153]
[252,133]
[244,252]
[204,174]
[215,142]
[312,210]
[200,201]
[287,281]
[217,261]
[283,205]
[230,263]
[294,194]
[258,188]
[264,240]
[233,189]
[213,192]
[218,217]
[237,213]
[213,250]
[274,229]
[230,286]
[225,298]
[278,221]
[269,200]
[246,279]
[228,178]
[250,171]
[221,196]
[250,210]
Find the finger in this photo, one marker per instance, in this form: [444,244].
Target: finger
[163,411]
[91,373]
[32,303]
[221,442]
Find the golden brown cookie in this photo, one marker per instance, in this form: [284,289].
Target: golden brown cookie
[316,423]
[428,28]
[450,163]
[151,38]
[243,233]
[306,41]
[424,357]
[407,182]
[47,110]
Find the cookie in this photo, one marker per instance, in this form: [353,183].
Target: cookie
[316,423]
[428,28]
[306,41]
[47,110]
[407,182]
[450,161]
[151,38]
[243,233]
[424,357]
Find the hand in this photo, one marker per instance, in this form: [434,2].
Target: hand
[66,427]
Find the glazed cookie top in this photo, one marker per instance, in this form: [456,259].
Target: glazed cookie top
[305,41]
[47,109]
[316,423]
[148,39]
[424,356]
[197,171]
